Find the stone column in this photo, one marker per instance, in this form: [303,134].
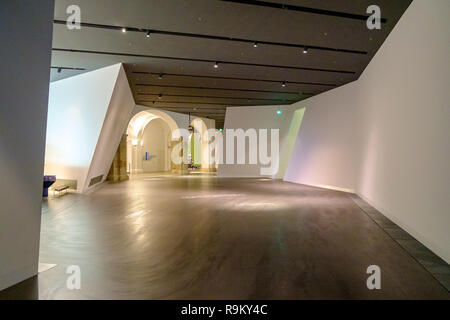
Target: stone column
[118,171]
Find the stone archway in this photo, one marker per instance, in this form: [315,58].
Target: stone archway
[135,142]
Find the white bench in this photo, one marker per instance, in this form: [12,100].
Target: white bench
[60,189]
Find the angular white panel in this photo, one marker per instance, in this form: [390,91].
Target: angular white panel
[386,136]
[87,115]
[261,117]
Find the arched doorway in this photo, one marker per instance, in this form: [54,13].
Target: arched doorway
[149,142]
[198,146]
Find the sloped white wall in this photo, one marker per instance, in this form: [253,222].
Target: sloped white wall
[26,36]
[114,125]
[326,153]
[87,114]
[387,135]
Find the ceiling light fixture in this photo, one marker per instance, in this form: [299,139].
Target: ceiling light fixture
[255,44]
[305,50]
[159,96]
[216,65]
[148,34]
[124,30]
[283,84]
[160,76]
[59,70]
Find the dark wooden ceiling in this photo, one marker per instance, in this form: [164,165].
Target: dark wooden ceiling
[173,68]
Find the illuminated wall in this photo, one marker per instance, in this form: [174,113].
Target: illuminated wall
[142,116]
[386,136]
[326,153]
[156,142]
[87,116]
[261,117]
[289,142]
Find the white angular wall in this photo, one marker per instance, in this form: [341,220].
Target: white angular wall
[387,135]
[261,117]
[326,153]
[26,37]
[87,116]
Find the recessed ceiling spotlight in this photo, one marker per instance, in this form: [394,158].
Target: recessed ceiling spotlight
[159,96]
[124,30]
[148,34]
[255,44]
[283,84]
[216,65]
[305,50]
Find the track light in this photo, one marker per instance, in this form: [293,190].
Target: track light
[216,65]
[283,84]
[124,30]
[160,76]
[59,70]
[255,44]
[148,34]
[159,96]
[305,50]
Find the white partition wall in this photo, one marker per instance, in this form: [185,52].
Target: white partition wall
[261,117]
[326,153]
[87,116]
[387,135]
[25,65]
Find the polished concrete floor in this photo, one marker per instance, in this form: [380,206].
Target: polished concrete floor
[202,237]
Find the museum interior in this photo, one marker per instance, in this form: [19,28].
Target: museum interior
[224,149]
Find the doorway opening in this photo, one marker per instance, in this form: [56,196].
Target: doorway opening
[149,143]
[199,159]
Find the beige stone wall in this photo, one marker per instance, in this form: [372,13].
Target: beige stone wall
[118,171]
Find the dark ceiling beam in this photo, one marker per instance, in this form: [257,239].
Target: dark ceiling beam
[215,97]
[233,78]
[291,7]
[207,103]
[220,62]
[212,88]
[211,37]
[217,113]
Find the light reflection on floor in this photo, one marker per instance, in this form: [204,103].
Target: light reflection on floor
[202,237]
